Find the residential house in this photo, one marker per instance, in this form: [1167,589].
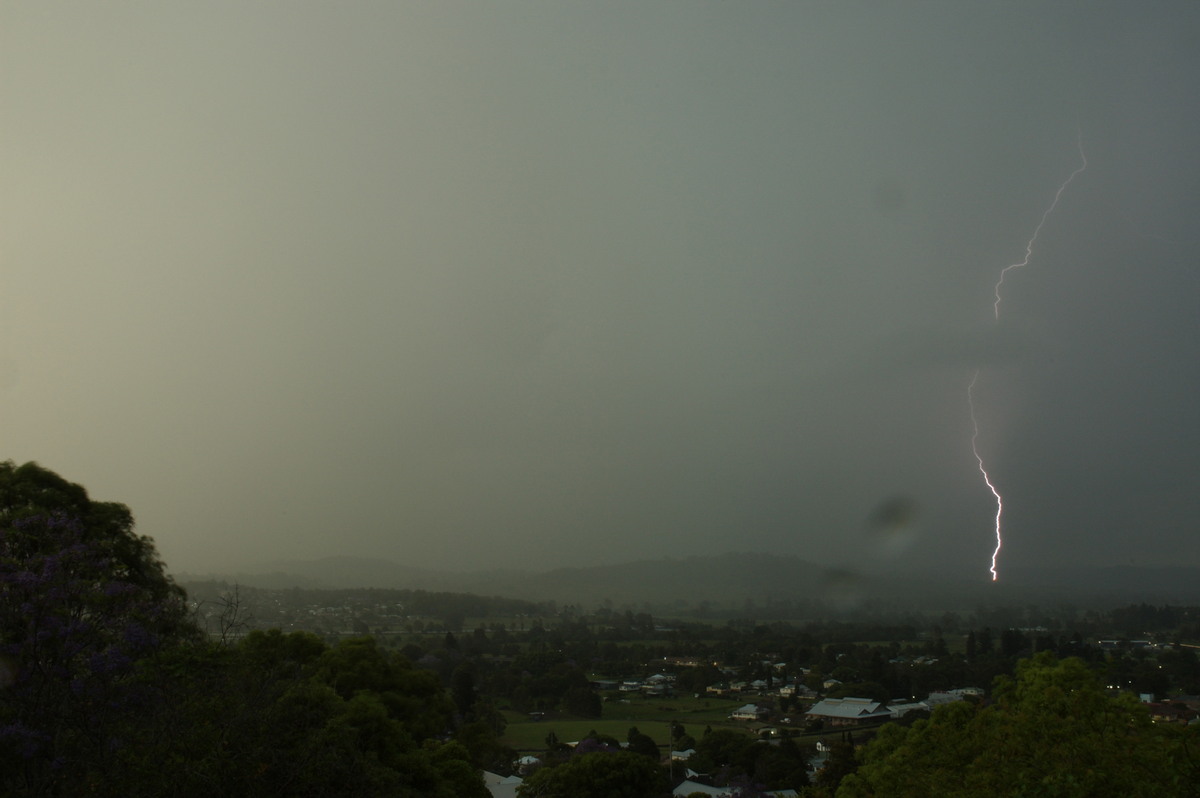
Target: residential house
[501,786]
[684,662]
[1189,701]
[749,712]
[690,787]
[848,711]
[1162,712]
[967,692]
[936,699]
[900,709]
[526,764]
[658,684]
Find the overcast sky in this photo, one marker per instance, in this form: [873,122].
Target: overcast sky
[529,284]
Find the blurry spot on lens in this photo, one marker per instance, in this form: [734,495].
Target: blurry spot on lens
[892,524]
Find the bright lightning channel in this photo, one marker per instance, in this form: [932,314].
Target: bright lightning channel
[996,307]
[982,470]
[1038,229]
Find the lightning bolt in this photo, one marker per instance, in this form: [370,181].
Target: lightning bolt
[1038,229]
[983,470]
[996,308]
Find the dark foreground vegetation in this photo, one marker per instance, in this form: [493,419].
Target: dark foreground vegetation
[114,682]
[107,687]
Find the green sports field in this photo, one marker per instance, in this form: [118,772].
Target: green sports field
[652,716]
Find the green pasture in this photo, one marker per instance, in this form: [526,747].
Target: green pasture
[687,710]
[651,715]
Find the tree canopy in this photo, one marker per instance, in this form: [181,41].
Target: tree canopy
[597,774]
[1054,730]
[83,601]
[107,687]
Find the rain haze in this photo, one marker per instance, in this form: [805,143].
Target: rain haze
[534,284]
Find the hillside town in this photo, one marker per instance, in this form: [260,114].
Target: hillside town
[550,680]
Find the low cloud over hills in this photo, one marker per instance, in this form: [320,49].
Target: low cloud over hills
[741,580]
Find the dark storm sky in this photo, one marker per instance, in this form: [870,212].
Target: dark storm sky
[528,284]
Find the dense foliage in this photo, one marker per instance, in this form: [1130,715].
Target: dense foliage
[598,774]
[108,688]
[1052,731]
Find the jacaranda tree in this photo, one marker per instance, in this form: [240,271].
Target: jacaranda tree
[82,601]
[107,687]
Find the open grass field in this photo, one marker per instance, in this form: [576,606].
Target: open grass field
[687,710]
[652,716]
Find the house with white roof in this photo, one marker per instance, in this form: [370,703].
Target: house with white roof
[900,709]
[690,787]
[501,786]
[936,699]
[749,712]
[848,711]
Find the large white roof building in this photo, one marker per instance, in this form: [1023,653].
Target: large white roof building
[849,710]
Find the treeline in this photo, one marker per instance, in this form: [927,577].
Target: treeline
[108,687]
[1053,729]
[450,610]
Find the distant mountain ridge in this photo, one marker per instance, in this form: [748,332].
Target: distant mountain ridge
[753,580]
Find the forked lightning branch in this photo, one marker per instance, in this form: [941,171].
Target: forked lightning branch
[987,480]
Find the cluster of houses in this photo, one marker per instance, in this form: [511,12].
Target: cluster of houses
[507,786]
[838,712]
[656,685]
[855,711]
[1180,709]
[833,712]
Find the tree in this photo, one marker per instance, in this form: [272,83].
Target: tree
[985,641]
[462,690]
[1053,730]
[779,767]
[600,774]
[643,744]
[840,764]
[82,601]
[32,491]
[483,743]
[411,696]
[582,701]
[720,748]
[107,688]
[264,718]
